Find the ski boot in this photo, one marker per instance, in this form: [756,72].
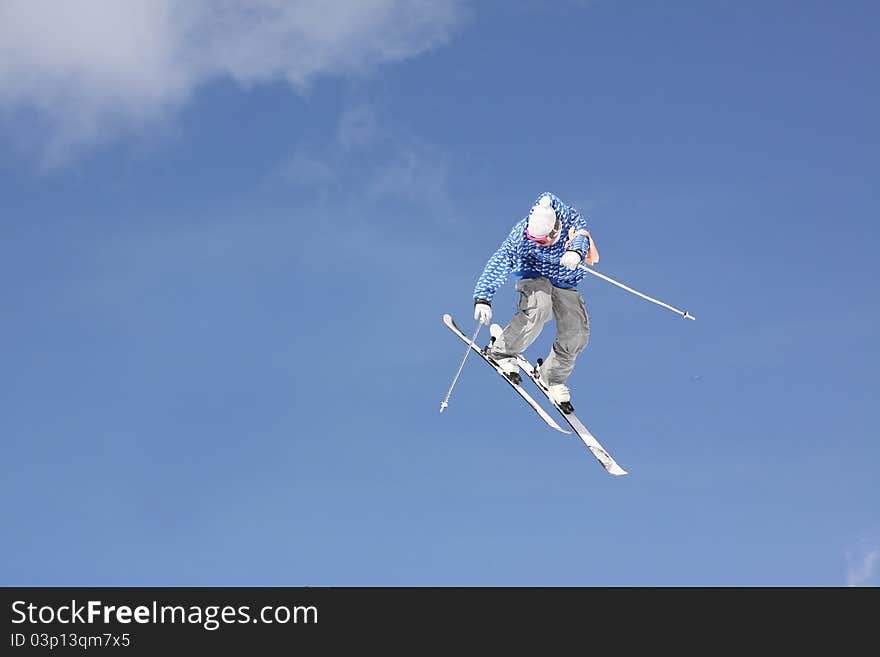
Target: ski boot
[510,366]
[559,392]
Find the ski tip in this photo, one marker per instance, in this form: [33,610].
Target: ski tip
[617,471]
[447,318]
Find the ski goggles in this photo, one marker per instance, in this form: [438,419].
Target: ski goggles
[546,240]
[540,241]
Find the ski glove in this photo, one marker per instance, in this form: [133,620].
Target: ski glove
[570,259]
[483,312]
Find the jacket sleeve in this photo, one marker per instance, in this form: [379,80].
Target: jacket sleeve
[498,268]
[580,239]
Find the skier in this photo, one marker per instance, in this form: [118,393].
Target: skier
[543,251]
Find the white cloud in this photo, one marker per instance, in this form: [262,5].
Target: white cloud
[863,563]
[86,68]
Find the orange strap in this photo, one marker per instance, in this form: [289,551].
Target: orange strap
[592,256]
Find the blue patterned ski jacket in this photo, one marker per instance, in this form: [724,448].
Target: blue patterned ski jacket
[526,259]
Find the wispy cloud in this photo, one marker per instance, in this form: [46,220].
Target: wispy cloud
[375,164]
[863,563]
[88,69]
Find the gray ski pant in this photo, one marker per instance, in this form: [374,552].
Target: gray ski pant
[539,301]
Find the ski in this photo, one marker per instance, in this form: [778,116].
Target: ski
[583,433]
[447,319]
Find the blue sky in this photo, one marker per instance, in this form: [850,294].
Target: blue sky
[227,239]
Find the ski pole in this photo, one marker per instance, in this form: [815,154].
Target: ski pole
[683,313]
[445,402]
